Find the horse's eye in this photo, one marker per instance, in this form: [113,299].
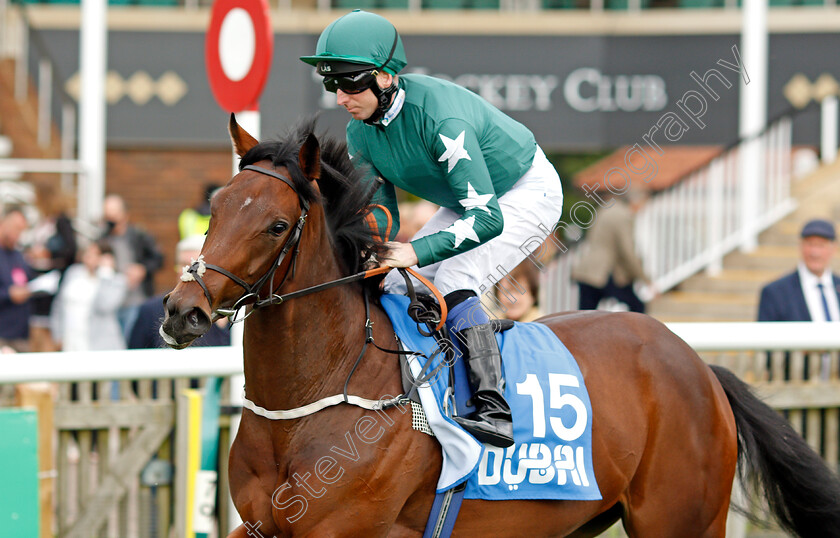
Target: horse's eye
[278,228]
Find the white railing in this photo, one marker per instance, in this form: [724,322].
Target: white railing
[226,361]
[795,366]
[106,405]
[692,225]
[132,364]
[558,293]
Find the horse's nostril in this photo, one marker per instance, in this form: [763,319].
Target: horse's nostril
[192,318]
[195,322]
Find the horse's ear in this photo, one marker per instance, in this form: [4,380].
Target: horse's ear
[310,157]
[242,141]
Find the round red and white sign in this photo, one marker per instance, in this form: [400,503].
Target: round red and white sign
[237,52]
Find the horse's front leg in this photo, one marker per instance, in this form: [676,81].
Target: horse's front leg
[252,475]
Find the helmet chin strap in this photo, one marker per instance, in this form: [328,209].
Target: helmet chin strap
[383,97]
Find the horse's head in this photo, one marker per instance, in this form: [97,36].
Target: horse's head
[294,216]
[255,230]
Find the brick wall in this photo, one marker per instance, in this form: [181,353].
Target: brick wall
[157,185]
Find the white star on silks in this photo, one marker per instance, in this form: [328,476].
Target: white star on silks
[475,200]
[454,150]
[463,229]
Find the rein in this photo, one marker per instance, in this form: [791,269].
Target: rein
[198,268]
[424,376]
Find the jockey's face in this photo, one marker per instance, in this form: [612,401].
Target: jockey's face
[362,105]
[817,253]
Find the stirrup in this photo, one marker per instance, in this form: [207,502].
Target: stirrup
[492,431]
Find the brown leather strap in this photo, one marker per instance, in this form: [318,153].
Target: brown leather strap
[378,271]
[374,225]
[436,292]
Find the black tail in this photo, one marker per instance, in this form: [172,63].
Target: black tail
[802,492]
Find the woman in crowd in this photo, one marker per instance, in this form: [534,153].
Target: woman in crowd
[84,313]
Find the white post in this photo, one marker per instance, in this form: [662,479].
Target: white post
[68,142]
[22,63]
[94,44]
[753,114]
[828,129]
[250,121]
[44,102]
[715,215]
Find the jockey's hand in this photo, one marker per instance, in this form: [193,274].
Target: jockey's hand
[398,255]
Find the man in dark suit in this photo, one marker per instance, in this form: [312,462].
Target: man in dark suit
[811,293]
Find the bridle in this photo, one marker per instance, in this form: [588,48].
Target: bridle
[197,269]
[251,296]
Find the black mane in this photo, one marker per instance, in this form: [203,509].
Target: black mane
[345,191]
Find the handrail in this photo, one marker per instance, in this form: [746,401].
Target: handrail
[695,223]
[40,166]
[691,225]
[790,112]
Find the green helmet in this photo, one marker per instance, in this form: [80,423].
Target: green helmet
[358,41]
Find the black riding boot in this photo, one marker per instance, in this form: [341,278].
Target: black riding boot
[491,421]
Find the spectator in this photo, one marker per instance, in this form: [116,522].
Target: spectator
[196,220]
[518,293]
[53,249]
[145,333]
[14,276]
[608,264]
[84,312]
[810,293]
[137,257]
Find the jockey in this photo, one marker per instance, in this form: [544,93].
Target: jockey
[444,144]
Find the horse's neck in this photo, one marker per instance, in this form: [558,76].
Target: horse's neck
[304,350]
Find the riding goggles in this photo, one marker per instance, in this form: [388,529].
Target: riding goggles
[356,83]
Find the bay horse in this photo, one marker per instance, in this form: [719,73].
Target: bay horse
[667,430]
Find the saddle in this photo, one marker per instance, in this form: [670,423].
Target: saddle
[426,311]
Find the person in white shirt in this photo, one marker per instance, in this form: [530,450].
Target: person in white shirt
[84,313]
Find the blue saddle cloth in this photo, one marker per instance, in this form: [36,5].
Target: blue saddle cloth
[551,457]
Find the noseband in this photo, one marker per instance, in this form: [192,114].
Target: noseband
[251,296]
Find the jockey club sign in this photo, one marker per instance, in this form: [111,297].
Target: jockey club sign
[573,91]
[585,89]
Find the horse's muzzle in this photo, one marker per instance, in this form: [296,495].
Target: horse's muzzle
[183,323]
